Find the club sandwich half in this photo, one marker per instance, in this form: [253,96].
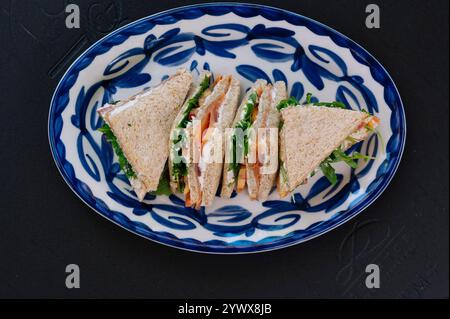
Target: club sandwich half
[208,112]
[316,135]
[253,144]
[138,129]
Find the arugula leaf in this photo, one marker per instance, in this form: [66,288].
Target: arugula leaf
[339,155]
[237,143]
[123,162]
[329,172]
[328,104]
[331,104]
[293,101]
[180,169]
[163,187]
[357,155]
[164,184]
[243,124]
[288,102]
[280,125]
[351,139]
[285,103]
[380,137]
[193,102]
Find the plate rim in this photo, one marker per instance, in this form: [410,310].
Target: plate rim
[256,247]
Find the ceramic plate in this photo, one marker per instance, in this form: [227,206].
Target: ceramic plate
[250,42]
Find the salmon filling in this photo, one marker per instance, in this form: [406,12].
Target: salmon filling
[208,123]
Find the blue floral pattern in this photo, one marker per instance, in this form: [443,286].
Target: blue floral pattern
[232,226]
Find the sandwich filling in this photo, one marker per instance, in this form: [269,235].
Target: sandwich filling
[366,127]
[240,142]
[260,146]
[208,125]
[179,170]
[125,166]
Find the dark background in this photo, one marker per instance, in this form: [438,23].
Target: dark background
[44,226]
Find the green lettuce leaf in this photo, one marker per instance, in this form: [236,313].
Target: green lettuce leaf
[125,166]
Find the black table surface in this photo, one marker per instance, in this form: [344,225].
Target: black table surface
[44,226]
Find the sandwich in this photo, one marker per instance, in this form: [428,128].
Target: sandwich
[313,136]
[139,127]
[254,142]
[205,121]
[178,143]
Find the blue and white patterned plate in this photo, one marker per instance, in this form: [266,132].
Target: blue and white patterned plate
[251,42]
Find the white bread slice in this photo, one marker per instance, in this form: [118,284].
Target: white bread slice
[260,183]
[204,177]
[228,178]
[308,136]
[142,124]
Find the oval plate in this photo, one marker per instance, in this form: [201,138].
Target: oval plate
[250,42]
